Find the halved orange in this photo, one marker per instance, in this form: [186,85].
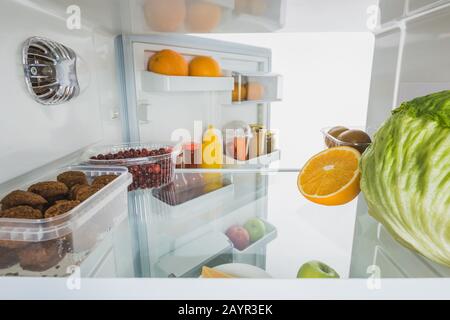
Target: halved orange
[212,273]
[331,177]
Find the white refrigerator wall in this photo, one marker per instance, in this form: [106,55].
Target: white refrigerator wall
[33,134]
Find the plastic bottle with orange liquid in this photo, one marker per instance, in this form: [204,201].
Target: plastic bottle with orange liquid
[212,158]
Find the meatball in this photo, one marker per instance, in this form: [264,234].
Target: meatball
[41,256]
[8,258]
[72,178]
[103,180]
[84,193]
[52,191]
[75,190]
[21,212]
[60,207]
[23,198]
[12,244]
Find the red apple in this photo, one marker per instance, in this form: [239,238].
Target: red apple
[239,237]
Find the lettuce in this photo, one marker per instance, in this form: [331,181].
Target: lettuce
[406,176]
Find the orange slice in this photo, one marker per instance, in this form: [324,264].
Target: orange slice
[331,177]
[212,273]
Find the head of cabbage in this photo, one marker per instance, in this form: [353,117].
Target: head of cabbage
[406,176]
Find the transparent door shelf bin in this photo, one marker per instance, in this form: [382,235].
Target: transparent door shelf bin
[260,161]
[255,247]
[256,87]
[154,82]
[65,240]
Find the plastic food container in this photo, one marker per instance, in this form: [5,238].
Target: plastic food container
[191,156]
[152,168]
[331,141]
[50,247]
[237,136]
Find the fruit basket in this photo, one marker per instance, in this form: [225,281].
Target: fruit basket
[254,247]
[49,247]
[152,165]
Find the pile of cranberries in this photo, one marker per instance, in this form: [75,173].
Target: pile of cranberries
[148,173]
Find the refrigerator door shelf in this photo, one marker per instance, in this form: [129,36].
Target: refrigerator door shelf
[254,248]
[257,162]
[188,260]
[152,82]
[260,87]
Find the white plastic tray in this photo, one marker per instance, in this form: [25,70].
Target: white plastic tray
[260,161]
[153,82]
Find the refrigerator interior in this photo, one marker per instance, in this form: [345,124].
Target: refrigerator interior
[120,102]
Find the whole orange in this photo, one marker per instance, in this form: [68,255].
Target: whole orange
[204,67]
[165,15]
[168,62]
[203,16]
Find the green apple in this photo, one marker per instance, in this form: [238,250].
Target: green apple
[256,228]
[316,269]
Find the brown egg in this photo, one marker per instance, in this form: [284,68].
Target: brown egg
[334,132]
[358,137]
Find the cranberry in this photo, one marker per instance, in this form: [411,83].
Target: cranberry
[157,169]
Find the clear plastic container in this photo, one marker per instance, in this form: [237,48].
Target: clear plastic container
[52,246]
[256,87]
[331,141]
[237,136]
[152,168]
[190,186]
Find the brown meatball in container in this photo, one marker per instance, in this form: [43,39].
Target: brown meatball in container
[60,207]
[41,256]
[23,198]
[52,191]
[72,178]
[8,258]
[85,193]
[21,212]
[103,180]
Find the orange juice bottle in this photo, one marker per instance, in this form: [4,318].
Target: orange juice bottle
[212,158]
[212,149]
